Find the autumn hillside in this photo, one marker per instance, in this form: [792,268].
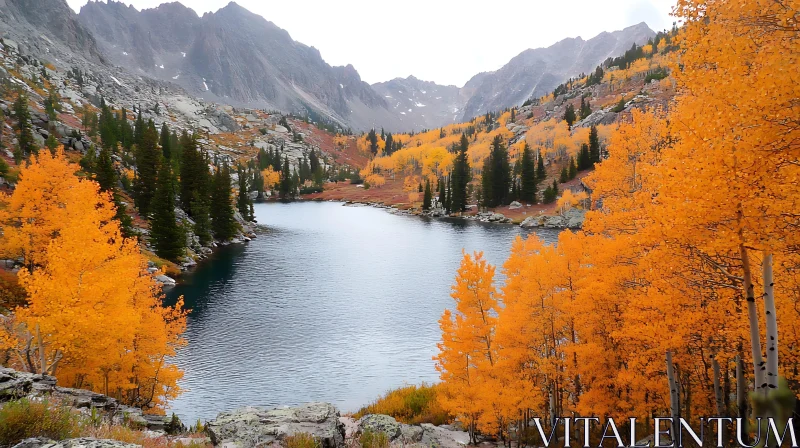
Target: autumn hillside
[581,112]
[679,297]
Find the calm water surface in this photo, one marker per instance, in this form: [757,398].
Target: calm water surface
[329,303]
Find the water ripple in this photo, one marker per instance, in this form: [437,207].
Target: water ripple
[330,303]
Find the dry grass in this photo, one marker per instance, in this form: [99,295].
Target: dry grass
[372,439]
[411,405]
[23,419]
[301,440]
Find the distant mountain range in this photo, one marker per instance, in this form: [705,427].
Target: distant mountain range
[233,56]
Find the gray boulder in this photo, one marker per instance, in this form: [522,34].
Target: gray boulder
[380,423]
[250,427]
[166,280]
[73,443]
[575,218]
[554,222]
[531,221]
[38,139]
[411,433]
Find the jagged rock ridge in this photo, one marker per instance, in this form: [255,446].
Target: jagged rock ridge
[536,72]
[232,56]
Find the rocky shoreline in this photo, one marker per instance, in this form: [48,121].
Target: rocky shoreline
[247,427]
[571,219]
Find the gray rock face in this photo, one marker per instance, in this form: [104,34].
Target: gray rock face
[73,443]
[380,423]
[403,434]
[231,55]
[571,219]
[249,427]
[235,56]
[534,73]
[57,19]
[16,385]
[492,217]
[421,104]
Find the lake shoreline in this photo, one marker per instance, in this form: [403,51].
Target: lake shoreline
[331,273]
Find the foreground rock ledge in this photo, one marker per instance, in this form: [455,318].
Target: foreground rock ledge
[73,443]
[15,385]
[249,427]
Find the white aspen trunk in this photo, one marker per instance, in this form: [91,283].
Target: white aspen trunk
[717,388]
[741,394]
[759,366]
[552,405]
[771,321]
[43,360]
[674,398]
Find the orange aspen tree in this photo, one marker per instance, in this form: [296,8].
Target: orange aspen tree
[732,174]
[94,316]
[467,353]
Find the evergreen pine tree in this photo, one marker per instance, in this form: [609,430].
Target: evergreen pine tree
[313,160]
[26,144]
[51,143]
[528,176]
[147,162]
[594,146]
[372,138]
[165,234]
[389,144]
[584,159]
[165,142]
[105,174]
[586,109]
[427,198]
[223,224]
[286,180]
[140,127]
[126,131]
[496,180]
[551,193]
[202,220]
[564,175]
[106,177]
[569,115]
[194,173]
[243,202]
[540,171]
[573,169]
[460,177]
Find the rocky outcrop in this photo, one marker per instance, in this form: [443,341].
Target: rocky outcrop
[250,427]
[55,18]
[570,219]
[232,55]
[73,443]
[401,434]
[492,217]
[380,423]
[534,73]
[421,104]
[16,385]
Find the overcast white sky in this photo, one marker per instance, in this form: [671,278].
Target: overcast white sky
[446,41]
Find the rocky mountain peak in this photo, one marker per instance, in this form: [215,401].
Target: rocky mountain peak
[56,19]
